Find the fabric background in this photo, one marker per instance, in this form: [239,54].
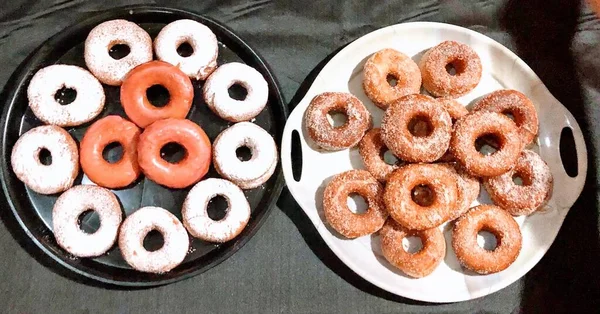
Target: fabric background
[286,267]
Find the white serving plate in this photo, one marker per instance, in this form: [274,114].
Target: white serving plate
[501,69]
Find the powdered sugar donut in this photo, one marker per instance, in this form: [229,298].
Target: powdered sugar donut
[46,179]
[195,214]
[109,34]
[216,94]
[246,174]
[65,215]
[46,82]
[203,60]
[135,228]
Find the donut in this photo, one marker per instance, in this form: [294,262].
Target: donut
[418,264]
[527,198]
[216,94]
[477,125]
[135,228]
[65,220]
[203,60]
[103,38]
[402,183]
[499,223]
[468,189]
[436,78]
[389,63]
[56,177]
[47,82]
[187,171]
[323,133]
[516,104]
[251,173]
[335,204]
[371,149]
[107,130]
[455,109]
[413,146]
[135,102]
[195,214]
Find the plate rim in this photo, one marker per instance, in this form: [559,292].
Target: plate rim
[320,225]
[20,77]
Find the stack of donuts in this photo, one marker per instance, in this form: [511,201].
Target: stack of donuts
[443,152]
[142,133]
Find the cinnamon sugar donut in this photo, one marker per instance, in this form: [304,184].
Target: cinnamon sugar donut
[104,37]
[516,104]
[251,173]
[527,198]
[462,58]
[358,120]
[399,189]
[195,215]
[371,149]
[455,109]
[203,60]
[52,178]
[477,125]
[66,227]
[47,82]
[397,123]
[135,228]
[336,210]
[468,188]
[499,223]
[418,264]
[390,63]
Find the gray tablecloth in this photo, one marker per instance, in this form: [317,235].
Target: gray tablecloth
[286,267]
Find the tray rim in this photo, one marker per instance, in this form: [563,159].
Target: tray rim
[294,125]
[19,77]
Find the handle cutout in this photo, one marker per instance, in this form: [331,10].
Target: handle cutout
[296,156]
[568,152]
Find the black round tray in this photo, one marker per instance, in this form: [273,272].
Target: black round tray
[34,211]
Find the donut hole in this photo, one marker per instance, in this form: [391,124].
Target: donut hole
[487,144]
[185,49]
[173,152]
[420,126]
[521,179]
[237,91]
[89,221]
[113,152]
[357,204]
[388,157]
[243,153]
[509,114]
[412,244]
[65,95]
[487,240]
[153,241]
[455,67]
[392,80]
[423,195]
[45,157]
[158,95]
[119,51]
[337,118]
[217,207]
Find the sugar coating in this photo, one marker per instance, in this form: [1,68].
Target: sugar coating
[251,173]
[73,203]
[46,179]
[202,62]
[527,198]
[88,103]
[468,188]
[135,228]
[195,214]
[370,149]
[108,34]
[216,94]
[358,120]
